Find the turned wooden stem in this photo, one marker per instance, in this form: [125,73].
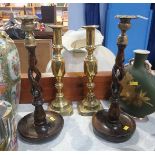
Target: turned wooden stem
[34,76]
[118,70]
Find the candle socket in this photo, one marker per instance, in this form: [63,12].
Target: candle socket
[59,104]
[90,104]
[39,126]
[114,125]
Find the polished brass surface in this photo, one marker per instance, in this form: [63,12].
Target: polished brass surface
[90,104]
[60,104]
[27,25]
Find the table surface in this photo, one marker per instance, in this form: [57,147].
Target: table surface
[77,135]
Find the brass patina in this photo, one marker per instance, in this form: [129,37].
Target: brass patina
[60,104]
[90,104]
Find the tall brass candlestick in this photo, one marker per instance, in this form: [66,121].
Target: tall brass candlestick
[90,104]
[60,104]
[115,125]
[40,126]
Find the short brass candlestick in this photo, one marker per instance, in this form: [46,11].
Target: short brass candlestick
[60,104]
[90,104]
[115,125]
[40,126]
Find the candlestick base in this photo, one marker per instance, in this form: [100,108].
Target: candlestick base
[62,106]
[43,133]
[116,132]
[88,108]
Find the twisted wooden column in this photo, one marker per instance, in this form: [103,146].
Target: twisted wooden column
[114,125]
[40,126]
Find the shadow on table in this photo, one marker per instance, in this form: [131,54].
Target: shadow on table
[129,145]
[148,126]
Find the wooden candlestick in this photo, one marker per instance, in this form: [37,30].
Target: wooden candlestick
[115,125]
[40,126]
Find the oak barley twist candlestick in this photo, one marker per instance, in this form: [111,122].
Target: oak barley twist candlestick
[60,104]
[90,104]
[40,126]
[115,125]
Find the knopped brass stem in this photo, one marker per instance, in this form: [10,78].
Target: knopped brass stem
[90,104]
[60,104]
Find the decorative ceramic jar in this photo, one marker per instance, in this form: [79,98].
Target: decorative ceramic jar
[9,70]
[8,136]
[9,77]
[138,86]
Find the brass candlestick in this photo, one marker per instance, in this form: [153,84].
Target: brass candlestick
[115,125]
[90,104]
[60,104]
[40,126]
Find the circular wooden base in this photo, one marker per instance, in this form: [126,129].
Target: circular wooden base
[114,132]
[28,132]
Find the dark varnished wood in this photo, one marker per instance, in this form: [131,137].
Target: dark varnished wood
[39,126]
[114,125]
[51,129]
[114,132]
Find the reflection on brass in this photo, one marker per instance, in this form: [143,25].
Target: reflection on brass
[90,104]
[60,104]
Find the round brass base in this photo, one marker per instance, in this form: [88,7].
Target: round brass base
[85,108]
[114,132]
[41,134]
[61,106]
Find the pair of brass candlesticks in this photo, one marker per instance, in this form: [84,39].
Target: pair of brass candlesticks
[90,104]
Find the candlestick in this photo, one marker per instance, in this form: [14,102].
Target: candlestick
[60,104]
[40,126]
[115,125]
[90,104]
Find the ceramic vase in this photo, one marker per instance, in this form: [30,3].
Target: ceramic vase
[138,87]
[10,80]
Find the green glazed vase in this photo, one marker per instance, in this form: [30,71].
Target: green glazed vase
[138,86]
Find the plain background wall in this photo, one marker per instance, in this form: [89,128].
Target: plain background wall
[137,34]
[76,16]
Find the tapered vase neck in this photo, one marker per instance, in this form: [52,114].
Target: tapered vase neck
[140,57]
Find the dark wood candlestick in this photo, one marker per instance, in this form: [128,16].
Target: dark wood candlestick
[40,126]
[115,125]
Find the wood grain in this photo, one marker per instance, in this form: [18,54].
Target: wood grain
[74,86]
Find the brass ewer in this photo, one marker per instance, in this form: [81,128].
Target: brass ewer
[60,104]
[90,104]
